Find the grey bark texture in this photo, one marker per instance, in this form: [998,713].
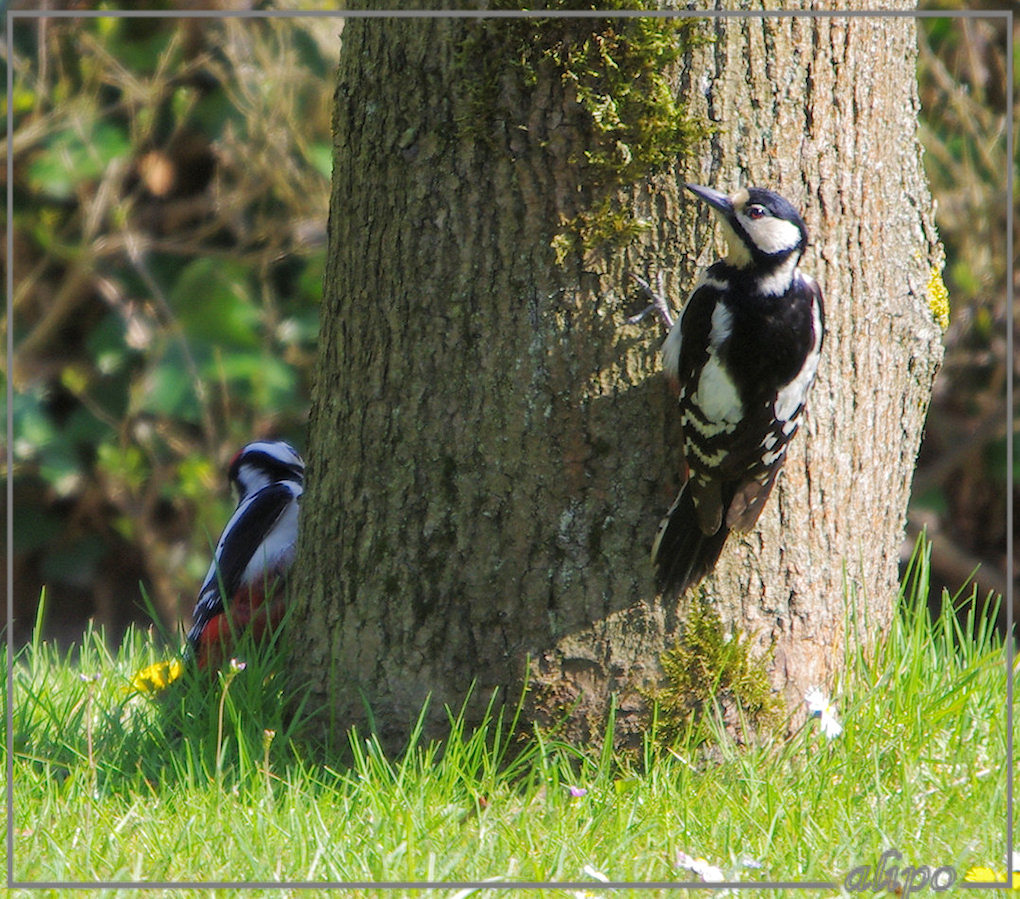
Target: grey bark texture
[491,446]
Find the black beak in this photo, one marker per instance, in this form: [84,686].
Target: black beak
[714,198]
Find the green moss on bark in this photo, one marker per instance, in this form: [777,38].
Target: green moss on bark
[708,669]
[617,77]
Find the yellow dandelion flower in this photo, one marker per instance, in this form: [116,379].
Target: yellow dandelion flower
[156,677]
[980,874]
[986,874]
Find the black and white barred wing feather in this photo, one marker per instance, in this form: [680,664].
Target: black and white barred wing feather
[688,541]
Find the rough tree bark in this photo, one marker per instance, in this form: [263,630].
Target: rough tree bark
[491,446]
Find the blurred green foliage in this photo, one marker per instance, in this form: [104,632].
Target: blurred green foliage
[959,487]
[171,185]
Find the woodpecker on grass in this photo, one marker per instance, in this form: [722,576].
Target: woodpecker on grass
[742,356]
[244,585]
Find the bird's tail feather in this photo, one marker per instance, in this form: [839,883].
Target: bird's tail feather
[682,554]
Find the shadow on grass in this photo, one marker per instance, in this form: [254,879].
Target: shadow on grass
[242,729]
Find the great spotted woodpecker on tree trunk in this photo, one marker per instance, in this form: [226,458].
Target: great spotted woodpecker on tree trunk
[243,588]
[741,356]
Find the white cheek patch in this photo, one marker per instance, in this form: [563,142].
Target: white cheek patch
[771,235]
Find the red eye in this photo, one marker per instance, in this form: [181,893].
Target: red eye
[756,211]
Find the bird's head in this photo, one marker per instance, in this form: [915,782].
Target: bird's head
[262,463]
[762,228]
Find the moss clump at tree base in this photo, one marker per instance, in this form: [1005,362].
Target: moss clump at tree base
[710,669]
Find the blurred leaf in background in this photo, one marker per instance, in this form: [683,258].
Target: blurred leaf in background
[171,185]
[960,486]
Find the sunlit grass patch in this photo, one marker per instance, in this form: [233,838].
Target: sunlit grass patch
[213,778]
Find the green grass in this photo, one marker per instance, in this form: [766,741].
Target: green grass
[110,785]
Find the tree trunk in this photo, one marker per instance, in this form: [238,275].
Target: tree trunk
[491,446]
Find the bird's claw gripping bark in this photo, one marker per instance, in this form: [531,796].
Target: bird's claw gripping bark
[658,304]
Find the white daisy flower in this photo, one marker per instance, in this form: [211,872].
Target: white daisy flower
[821,707]
[706,871]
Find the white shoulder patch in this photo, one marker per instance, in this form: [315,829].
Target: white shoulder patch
[722,325]
[770,234]
[716,395]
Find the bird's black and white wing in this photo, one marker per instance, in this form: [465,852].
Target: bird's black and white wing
[260,538]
